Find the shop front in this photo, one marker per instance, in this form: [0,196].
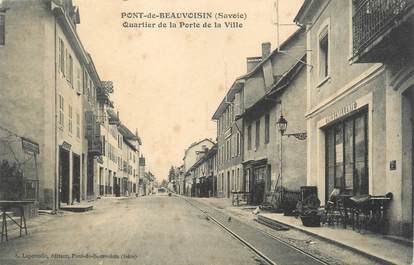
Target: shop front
[258,180]
[360,148]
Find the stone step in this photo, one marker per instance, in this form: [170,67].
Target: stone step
[77,208]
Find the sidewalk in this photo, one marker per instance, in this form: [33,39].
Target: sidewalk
[369,244]
[374,246]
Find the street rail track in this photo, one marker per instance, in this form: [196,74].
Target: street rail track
[255,249]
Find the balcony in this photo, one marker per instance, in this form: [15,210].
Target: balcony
[382,29]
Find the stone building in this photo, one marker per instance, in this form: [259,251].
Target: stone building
[205,173]
[360,101]
[275,87]
[190,158]
[229,140]
[51,93]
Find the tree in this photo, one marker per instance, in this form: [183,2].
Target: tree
[171,174]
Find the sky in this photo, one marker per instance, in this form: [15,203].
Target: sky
[168,82]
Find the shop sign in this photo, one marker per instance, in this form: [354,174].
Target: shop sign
[30,146]
[341,112]
[67,146]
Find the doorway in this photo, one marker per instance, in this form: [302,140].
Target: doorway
[408,160]
[76,172]
[228,184]
[63,175]
[259,179]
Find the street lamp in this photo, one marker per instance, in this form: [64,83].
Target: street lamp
[282,126]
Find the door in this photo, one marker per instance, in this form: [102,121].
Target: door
[76,172]
[228,184]
[259,177]
[63,175]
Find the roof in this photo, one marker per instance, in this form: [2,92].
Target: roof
[126,133]
[240,80]
[235,87]
[308,7]
[209,154]
[282,83]
[302,11]
[196,143]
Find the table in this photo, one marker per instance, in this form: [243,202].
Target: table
[7,205]
[370,211]
[238,196]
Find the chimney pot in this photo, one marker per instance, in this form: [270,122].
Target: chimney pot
[266,48]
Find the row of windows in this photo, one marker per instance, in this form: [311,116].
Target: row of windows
[70,118]
[82,84]
[257,132]
[230,148]
[231,181]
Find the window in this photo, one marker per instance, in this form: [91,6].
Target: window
[2,29]
[257,139]
[85,81]
[78,81]
[62,56]
[61,111]
[267,128]
[70,70]
[77,125]
[237,144]
[324,54]
[70,119]
[249,137]
[347,156]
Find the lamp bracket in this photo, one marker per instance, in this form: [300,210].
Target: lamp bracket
[300,136]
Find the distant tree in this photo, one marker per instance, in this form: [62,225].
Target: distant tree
[164,183]
[171,174]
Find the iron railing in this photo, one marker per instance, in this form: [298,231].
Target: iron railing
[372,18]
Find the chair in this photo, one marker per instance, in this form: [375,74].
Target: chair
[333,213]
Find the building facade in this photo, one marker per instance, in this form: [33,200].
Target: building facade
[205,173]
[359,101]
[275,87]
[229,141]
[191,154]
[51,93]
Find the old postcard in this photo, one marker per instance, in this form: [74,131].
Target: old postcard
[206,132]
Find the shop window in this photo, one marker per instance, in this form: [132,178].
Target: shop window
[347,155]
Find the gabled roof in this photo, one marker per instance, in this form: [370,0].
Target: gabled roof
[277,87]
[196,143]
[126,133]
[308,10]
[209,154]
[241,80]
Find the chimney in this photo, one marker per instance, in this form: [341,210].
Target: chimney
[266,48]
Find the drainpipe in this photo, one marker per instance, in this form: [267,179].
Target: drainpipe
[56,192]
